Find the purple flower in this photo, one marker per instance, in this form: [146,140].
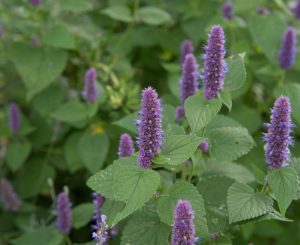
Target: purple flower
[204,146]
[189,81]
[186,48]
[262,11]
[8,197]
[150,128]
[287,53]
[64,213]
[14,117]
[278,136]
[183,232]
[296,10]
[179,112]
[126,147]
[227,10]
[90,92]
[215,66]
[35,2]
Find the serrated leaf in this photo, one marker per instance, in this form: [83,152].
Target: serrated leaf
[220,121]
[230,143]
[283,183]
[225,96]
[93,149]
[177,148]
[243,203]
[174,129]
[236,75]
[16,154]
[184,191]
[145,228]
[200,112]
[153,15]
[119,12]
[82,214]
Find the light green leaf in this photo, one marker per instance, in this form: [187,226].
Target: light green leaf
[82,214]
[184,191]
[283,183]
[119,12]
[153,16]
[230,143]
[38,66]
[236,75]
[177,148]
[127,122]
[200,112]
[76,6]
[17,153]
[93,149]
[225,96]
[59,36]
[243,203]
[174,129]
[111,209]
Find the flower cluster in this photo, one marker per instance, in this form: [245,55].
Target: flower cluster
[288,50]
[8,197]
[126,147]
[90,92]
[227,10]
[64,213]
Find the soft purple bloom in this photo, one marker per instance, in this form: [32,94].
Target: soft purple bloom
[204,146]
[90,92]
[189,81]
[126,147]
[35,2]
[215,66]
[227,10]
[183,232]
[262,11]
[288,50]
[179,112]
[8,197]
[278,136]
[14,117]
[296,10]
[186,48]
[150,128]
[64,213]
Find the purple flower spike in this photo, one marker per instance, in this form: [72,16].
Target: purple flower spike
[14,117]
[90,92]
[296,10]
[287,53]
[179,112]
[35,2]
[215,66]
[278,136]
[8,196]
[227,10]
[186,48]
[150,128]
[183,225]
[126,147]
[64,213]
[204,146]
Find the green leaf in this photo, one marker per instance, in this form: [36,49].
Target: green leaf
[71,112]
[184,191]
[144,228]
[200,112]
[71,152]
[230,143]
[28,59]
[111,209]
[82,214]
[243,203]
[93,149]
[153,16]
[236,75]
[283,183]
[47,235]
[76,6]
[226,99]
[177,148]
[174,129]
[127,122]
[59,36]
[119,12]
[17,153]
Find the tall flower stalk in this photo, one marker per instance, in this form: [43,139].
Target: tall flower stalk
[64,213]
[90,92]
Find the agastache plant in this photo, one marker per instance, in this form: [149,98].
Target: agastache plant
[215,66]
[186,48]
[35,2]
[14,117]
[64,213]
[183,232]
[8,197]
[278,136]
[188,83]
[296,10]
[150,128]
[90,92]
[287,53]
[126,147]
[227,10]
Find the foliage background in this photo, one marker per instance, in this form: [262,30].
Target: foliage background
[44,53]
